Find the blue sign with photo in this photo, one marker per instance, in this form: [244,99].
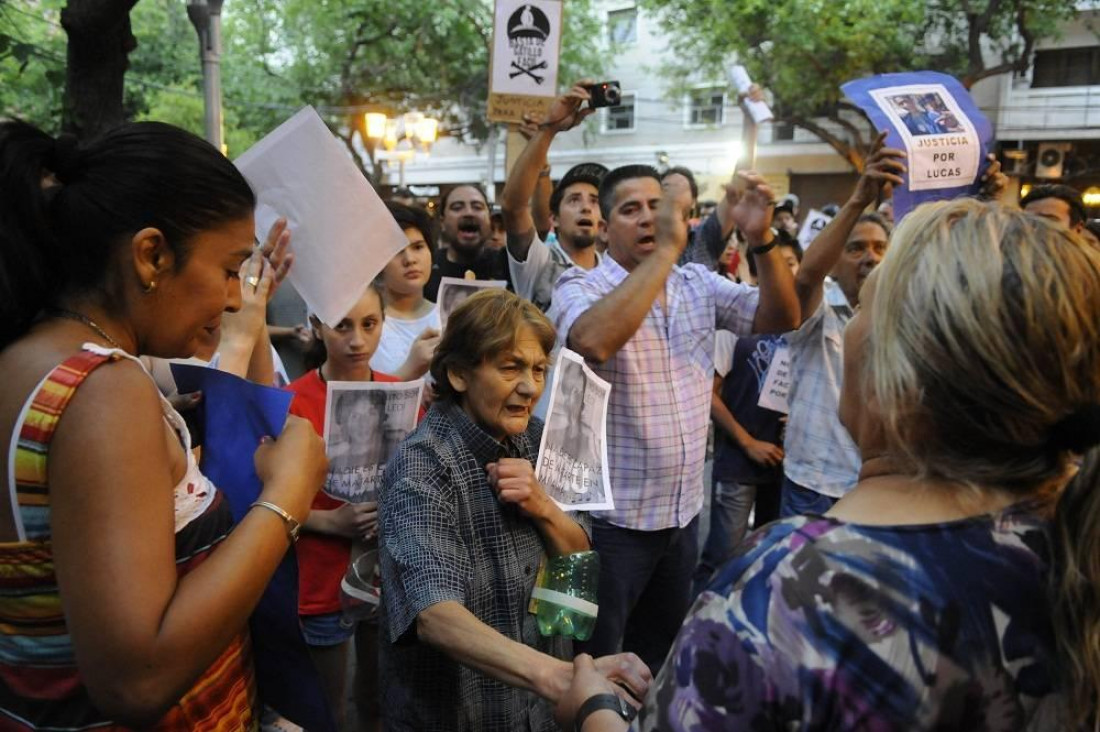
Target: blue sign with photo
[933,118]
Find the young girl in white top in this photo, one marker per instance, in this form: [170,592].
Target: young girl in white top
[411,329]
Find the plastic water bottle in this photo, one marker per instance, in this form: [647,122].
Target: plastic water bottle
[566,595]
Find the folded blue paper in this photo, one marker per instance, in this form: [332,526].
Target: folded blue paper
[235,414]
[933,118]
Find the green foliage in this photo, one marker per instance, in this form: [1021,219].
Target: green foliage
[803,50]
[347,56]
[32,61]
[342,56]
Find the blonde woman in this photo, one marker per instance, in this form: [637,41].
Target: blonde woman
[972,380]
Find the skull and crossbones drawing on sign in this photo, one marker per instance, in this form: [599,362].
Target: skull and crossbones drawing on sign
[528,29]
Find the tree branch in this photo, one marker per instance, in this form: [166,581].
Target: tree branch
[1020,63]
[855,157]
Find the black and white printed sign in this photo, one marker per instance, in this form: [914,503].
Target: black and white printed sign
[453,291]
[365,421]
[524,66]
[572,465]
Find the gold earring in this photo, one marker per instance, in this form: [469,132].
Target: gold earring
[150,288]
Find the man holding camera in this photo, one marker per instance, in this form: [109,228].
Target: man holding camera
[647,326]
[574,206]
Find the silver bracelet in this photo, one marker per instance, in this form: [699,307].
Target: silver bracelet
[293,528]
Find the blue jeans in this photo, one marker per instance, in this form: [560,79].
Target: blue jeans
[800,501]
[730,506]
[645,589]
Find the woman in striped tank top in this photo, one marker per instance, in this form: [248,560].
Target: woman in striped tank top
[124,596]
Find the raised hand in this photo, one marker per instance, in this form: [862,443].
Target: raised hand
[884,167]
[750,204]
[566,112]
[276,250]
[420,355]
[672,214]
[257,277]
[994,182]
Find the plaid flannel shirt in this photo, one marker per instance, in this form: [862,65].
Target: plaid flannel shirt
[446,537]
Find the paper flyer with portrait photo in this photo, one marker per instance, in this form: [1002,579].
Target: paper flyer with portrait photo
[453,291]
[572,464]
[933,118]
[365,421]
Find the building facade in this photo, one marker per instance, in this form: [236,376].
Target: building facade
[1047,123]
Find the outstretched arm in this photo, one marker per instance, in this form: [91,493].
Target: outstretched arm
[884,166]
[519,224]
[454,630]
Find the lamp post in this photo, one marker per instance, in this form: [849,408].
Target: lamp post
[401,136]
[206,16]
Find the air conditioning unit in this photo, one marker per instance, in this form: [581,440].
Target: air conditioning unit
[1051,160]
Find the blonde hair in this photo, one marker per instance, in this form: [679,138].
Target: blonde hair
[483,325]
[985,336]
[985,360]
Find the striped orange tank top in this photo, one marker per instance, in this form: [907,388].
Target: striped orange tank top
[40,684]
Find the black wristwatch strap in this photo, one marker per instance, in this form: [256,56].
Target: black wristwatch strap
[603,701]
[764,248]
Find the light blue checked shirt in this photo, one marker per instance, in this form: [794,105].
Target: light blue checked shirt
[818,452]
[661,383]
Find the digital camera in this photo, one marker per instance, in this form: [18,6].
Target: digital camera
[605,94]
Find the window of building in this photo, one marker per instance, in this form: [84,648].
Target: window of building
[620,118]
[1067,67]
[706,107]
[622,26]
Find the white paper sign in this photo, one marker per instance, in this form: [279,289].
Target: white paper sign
[777,384]
[365,421]
[526,44]
[453,291]
[572,464]
[740,80]
[943,145]
[341,232]
[812,226]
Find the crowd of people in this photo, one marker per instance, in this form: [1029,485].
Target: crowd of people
[908,543]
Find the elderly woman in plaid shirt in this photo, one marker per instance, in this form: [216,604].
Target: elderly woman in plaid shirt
[465,525]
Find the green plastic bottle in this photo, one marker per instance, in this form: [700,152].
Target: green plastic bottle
[566,595]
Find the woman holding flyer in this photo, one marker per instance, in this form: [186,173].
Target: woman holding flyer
[126,588]
[342,353]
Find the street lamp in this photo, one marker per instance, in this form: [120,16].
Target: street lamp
[206,16]
[401,136]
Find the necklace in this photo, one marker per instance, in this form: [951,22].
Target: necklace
[71,315]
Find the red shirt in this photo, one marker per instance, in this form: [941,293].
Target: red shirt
[322,558]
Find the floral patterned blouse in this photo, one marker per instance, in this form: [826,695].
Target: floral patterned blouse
[824,625]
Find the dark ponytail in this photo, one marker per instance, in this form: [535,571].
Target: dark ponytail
[64,206]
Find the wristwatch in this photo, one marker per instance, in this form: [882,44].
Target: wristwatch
[604,701]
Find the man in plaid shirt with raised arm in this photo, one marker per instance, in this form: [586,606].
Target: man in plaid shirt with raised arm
[647,326]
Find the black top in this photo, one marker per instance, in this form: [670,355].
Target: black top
[491,264]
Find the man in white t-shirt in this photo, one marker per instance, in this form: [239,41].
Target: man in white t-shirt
[574,207]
